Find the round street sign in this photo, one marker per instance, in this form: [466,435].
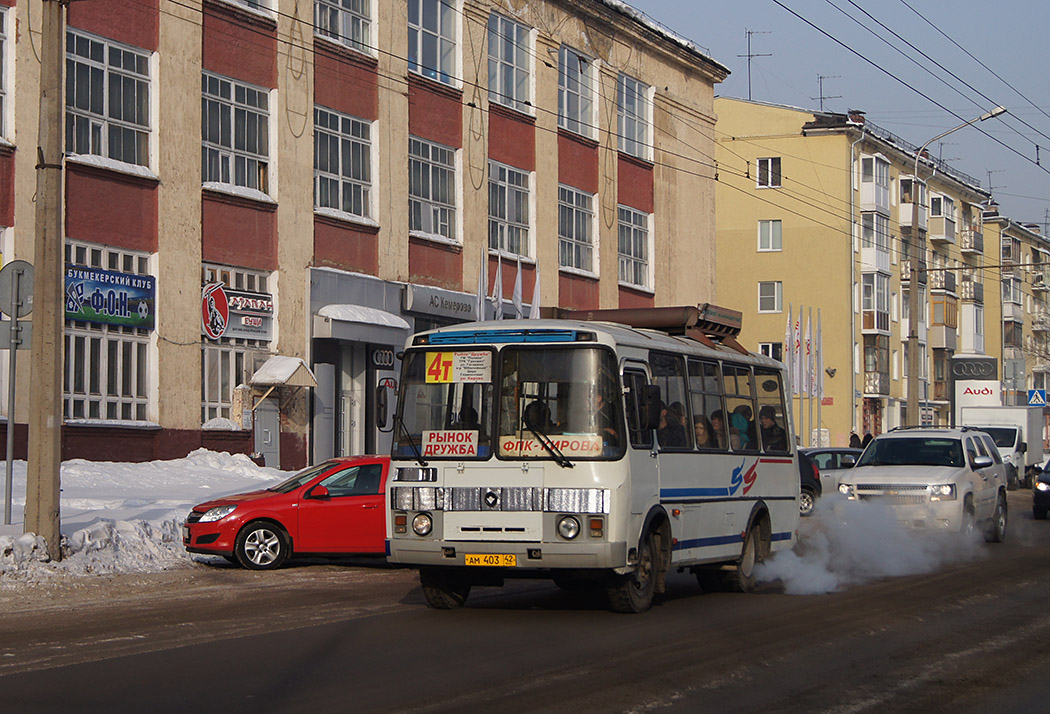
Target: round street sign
[16,288]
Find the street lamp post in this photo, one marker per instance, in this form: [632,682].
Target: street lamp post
[913,281]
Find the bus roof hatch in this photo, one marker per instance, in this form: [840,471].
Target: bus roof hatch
[706,323]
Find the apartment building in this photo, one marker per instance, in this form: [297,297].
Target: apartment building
[828,212]
[314,181]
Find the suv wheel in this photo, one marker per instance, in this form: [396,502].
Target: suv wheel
[996,531]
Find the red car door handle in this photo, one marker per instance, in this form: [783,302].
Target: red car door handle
[371,506]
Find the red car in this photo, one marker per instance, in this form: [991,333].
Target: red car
[333,508]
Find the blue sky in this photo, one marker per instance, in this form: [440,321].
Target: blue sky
[1007,37]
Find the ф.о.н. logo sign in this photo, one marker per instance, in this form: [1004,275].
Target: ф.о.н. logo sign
[215,310]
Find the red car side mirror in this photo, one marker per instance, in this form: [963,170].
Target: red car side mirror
[318,492]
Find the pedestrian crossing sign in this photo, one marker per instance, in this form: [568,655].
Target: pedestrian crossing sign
[1037,397]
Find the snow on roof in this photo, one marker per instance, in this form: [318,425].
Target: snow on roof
[638,16]
[364,315]
[281,370]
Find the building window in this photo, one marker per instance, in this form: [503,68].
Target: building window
[769,235]
[508,63]
[431,188]
[774,350]
[107,99]
[235,133]
[1012,333]
[942,206]
[634,247]
[877,353]
[978,320]
[575,92]
[771,296]
[432,39]
[575,229]
[508,209]
[1012,289]
[875,301]
[107,367]
[633,117]
[228,362]
[342,163]
[945,310]
[348,22]
[3,72]
[253,4]
[768,174]
[875,232]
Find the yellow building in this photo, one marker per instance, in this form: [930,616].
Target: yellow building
[815,211]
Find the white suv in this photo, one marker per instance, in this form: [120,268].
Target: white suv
[934,479]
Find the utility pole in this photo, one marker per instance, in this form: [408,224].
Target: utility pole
[749,55]
[45,403]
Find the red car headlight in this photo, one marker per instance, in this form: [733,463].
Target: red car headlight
[214,514]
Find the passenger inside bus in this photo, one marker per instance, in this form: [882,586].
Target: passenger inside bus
[671,432]
[606,424]
[774,438]
[468,419]
[740,420]
[538,416]
[718,428]
[705,439]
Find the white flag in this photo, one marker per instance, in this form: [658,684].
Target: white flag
[516,297]
[820,360]
[497,290]
[482,273]
[796,354]
[534,309]
[789,340]
[807,384]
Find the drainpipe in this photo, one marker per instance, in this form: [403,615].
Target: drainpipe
[853,282]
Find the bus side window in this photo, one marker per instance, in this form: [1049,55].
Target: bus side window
[636,399]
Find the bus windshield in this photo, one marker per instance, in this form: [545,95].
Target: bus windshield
[445,406]
[559,403]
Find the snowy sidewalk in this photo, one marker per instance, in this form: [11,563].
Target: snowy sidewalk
[122,517]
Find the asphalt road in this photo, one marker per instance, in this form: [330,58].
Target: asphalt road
[356,636]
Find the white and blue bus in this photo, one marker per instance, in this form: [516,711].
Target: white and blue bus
[590,452]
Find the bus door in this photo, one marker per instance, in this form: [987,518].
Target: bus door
[641,451]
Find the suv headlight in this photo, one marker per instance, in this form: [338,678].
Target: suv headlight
[846,490]
[219,512]
[942,492]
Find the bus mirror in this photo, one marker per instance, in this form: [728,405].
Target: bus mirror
[651,406]
[383,390]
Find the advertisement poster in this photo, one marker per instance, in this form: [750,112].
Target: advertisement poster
[110,298]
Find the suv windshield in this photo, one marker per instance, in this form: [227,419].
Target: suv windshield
[1001,435]
[913,451]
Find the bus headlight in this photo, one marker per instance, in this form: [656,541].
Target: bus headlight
[568,527]
[422,524]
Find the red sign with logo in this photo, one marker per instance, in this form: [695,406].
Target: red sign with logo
[215,310]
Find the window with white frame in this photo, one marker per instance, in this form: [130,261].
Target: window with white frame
[107,99]
[768,172]
[875,171]
[342,163]
[770,296]
[769,235]
[509,62]
[348,22]
[978,320]
[508,209]
[253,4]
[431,188]
[633,117]
[3,71]
[575,229]
[875,301]
[228,362]
[634,247]
[775,350]
[235,133]
[875,231]
[432,39]
[942,206]
[107,367]
[576,84]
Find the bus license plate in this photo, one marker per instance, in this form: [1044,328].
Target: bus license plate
[505,560]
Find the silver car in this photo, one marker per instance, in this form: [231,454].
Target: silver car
[934,479]
[832,461]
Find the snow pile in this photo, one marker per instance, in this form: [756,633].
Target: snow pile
[123,517]
[847,543]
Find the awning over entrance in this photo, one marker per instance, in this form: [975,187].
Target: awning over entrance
[357,323]
[281,371]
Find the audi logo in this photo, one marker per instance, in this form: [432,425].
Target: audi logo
[383,358]
[980,370]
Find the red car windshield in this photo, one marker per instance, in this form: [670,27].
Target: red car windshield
[301,478]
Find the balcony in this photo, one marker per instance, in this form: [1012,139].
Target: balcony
[1013,311]
[943,338]
[943,280]
[874,197]
[1041,278]
[1041,323]
[874,259]
[942,230]
[876,384]
[906,271]
[875,321]
[971,242]
[971,291]
[911,215]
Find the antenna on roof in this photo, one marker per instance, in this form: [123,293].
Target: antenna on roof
[750,54]
[820,89]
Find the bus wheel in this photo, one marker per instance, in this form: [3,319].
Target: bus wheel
[634,592]
[443,590]
[741,579]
